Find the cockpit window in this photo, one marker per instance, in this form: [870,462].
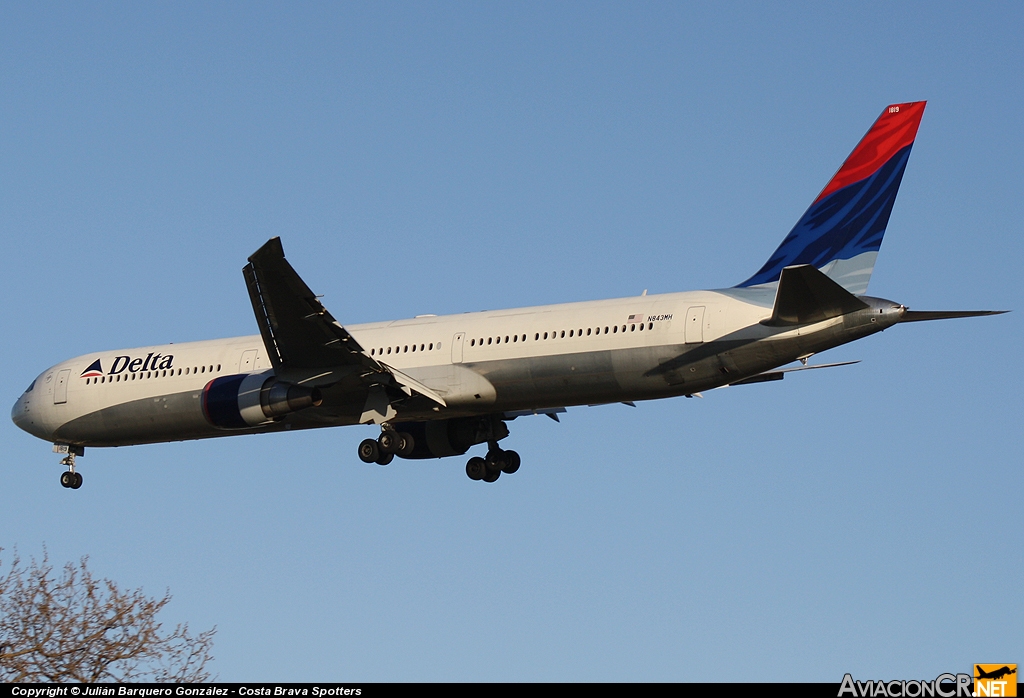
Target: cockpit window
[29,389]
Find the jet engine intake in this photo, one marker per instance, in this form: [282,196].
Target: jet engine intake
[251,399]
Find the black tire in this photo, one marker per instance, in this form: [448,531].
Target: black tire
[512,462]
[495,460]
[407,445]
[385,458]
[67,478]
[476,468]
[388,442]
[78,481]
[491,475]
[369,452]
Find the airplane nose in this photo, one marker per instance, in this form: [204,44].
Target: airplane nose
[21,415]
[18,412]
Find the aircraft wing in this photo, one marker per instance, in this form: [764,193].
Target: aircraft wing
[298,331]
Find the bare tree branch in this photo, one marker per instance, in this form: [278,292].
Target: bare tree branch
[74,627]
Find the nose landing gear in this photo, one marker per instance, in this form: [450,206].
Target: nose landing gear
[70,479]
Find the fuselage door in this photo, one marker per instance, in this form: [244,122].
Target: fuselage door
[695,325]
[248,361]
[457,341]
[60,388]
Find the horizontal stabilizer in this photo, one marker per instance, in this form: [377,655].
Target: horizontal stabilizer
[805,295]
[781,373]
[922,315]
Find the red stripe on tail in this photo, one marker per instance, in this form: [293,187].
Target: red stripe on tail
[894,130]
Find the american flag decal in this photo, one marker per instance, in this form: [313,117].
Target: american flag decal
[638,317]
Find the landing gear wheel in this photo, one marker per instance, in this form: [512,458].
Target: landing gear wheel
[493,463]
[504,461]
[476,468]
[385,458]
[407,445]
[69,478]
[369,452]
[511,462]
[388,441]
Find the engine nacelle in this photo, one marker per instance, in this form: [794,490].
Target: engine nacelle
[452,437]
[251,399]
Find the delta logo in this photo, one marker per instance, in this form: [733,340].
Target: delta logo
[995,680]
[94,370]
[152,362]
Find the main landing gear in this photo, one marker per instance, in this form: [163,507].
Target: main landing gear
[70,479]
[385,447]
[493,465]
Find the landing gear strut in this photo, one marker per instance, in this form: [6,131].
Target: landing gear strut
[493,465]
[389,444]
[70,479]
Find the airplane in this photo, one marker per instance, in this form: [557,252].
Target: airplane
[438,385]
[996,674]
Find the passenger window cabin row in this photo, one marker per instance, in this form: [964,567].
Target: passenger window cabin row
[404,349]
[161,373]
[515,338]
[561,334]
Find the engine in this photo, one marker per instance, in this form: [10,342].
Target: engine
[452,437]
[251,399]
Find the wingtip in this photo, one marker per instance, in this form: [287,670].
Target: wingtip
[271,247]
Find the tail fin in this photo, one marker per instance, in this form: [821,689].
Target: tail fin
[842,231]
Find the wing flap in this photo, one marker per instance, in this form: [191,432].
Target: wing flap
[408,383]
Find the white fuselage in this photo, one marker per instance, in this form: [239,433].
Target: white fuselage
[498,362]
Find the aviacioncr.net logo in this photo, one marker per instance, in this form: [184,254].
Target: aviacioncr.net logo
[943,686]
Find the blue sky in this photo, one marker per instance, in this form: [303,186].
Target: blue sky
[440,158]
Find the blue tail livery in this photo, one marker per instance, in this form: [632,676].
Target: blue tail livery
[842,231]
